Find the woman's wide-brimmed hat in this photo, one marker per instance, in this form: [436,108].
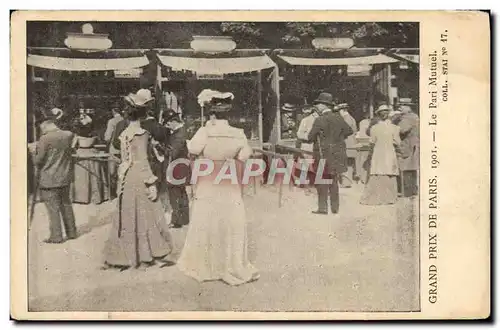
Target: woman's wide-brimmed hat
[325,98]
[140,99]
[382,108]
[215,100]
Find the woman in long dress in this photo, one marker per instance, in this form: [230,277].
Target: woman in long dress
[89,175]
[139,235]
[381,188]
[216,241]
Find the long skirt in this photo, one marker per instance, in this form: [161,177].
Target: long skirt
[380,190]
[409,183]
[361,168]
[139,232]
[216,242]
[90,182]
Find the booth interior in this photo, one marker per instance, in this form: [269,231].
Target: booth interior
[245,73]
[90,83]
[84,84]
[362,78]
[263,82]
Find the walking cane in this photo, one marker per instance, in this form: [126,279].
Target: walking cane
[33,200]
[320,155]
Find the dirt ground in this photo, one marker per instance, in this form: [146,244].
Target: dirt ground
[364,259]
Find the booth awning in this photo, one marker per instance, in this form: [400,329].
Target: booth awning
[86,64]
[363,60]
[409,57]
[217,65]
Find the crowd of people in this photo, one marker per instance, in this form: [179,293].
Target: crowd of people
[150,205]
[383,153]
[140,236]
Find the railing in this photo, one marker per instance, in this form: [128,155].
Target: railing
[273,155]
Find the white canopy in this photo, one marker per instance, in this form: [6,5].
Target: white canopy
[217,65]
[364,60]
[86,64]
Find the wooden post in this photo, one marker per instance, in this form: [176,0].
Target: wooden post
[32,103]
[259,91]
[159,93]
[276,132]
[278,104]
[389,85]
[371,105]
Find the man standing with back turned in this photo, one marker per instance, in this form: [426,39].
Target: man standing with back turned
[54,160]
[328,134]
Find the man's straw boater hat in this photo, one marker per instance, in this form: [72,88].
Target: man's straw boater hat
[288,107]
[140,99]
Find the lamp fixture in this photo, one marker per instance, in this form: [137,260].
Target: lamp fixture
[333,44]
[87,41]
[213,44]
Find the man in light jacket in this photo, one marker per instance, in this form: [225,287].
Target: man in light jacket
[409,125]
[53,158]
[345,180]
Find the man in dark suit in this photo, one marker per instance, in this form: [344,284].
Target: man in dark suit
[53,158]
[177,149]
[159,135]
[328,134]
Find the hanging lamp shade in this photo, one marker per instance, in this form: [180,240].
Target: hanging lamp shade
[213,44]
[87,41]
[332,44]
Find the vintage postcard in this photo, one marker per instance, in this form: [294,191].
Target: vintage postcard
[256,165]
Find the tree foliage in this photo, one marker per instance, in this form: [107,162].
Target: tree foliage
[299,34]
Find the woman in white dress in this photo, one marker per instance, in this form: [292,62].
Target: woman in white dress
[216,242]
[381,188]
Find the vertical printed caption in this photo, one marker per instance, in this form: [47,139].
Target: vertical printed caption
[438,87]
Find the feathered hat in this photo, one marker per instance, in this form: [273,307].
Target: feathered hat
[139,99]
[217,101]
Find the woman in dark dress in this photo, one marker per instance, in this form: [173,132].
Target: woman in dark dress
[139,235]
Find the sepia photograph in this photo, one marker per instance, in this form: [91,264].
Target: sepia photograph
[232,165]
[112,104]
